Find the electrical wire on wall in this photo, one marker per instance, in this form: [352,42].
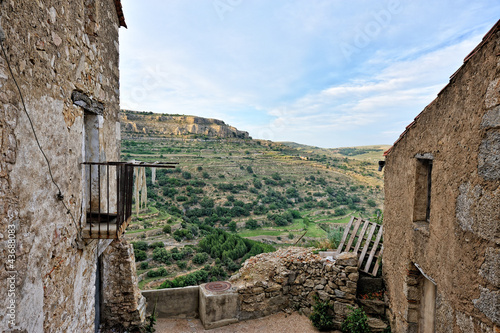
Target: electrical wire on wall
[59,195]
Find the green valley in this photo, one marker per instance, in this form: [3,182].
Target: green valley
[246,190]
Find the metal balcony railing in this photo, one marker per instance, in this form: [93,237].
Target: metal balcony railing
[108,195]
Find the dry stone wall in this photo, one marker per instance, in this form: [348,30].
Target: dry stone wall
[290,278]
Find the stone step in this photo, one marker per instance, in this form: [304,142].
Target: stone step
[376,325]
[372,306]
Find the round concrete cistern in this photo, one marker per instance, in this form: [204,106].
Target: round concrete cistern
[218,286]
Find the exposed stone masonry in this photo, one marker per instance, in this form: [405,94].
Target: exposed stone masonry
[458,248]
[123,304]
[53,52]
[289,279]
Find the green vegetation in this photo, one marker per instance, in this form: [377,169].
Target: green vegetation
[320,317]
[356,322]
[250,188]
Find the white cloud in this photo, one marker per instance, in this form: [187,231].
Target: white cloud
[274,68]
[398,92]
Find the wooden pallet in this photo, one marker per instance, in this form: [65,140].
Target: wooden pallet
[364,238]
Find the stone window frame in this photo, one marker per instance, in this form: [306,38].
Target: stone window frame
[422,203]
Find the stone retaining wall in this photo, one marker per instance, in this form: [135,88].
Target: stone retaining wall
[289,279]
[285,280]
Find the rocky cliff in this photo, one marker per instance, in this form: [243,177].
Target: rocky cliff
[167,125]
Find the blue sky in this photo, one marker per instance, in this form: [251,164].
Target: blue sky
[328,73]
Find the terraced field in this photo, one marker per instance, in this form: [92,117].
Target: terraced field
[275,193]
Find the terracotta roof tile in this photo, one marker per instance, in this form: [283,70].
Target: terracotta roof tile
[119,11]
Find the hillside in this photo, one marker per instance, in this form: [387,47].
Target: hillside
[260,190]
[137,124]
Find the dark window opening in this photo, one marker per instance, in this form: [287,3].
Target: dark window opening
[428,166]
[423,190]
[98,294]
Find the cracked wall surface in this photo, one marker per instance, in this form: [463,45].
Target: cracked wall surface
[460,245]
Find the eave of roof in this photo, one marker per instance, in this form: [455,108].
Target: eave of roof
[486,38]
[119,12]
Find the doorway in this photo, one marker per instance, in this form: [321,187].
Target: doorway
[98,293]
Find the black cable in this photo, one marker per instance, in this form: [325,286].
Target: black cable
[60,196]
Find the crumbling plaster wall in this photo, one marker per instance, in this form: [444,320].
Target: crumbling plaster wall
[51,55]
[459,248]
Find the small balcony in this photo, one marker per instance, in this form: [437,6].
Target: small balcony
[108,197]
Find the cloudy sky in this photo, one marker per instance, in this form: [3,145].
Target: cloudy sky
[328,73]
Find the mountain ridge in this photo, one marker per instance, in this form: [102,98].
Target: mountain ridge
[175,125]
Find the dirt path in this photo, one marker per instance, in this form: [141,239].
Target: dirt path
[277,323]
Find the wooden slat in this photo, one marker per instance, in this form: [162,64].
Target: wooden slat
[374,249]
[346,232]
[367,244]
[353,235]
[87,234]
[377,262]
[361,236]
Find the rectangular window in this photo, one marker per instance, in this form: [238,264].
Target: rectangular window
[423,190]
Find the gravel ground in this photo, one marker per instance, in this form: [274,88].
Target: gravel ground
[277,323]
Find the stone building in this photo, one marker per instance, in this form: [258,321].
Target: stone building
[442,211]
[56,275]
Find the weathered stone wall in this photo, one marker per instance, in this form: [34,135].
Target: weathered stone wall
[54,48]
[459,247]
[123,304]
[289,278]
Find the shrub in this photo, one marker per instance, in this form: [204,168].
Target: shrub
[144,265]
[140,245]
[340,212]
[356,322]
[177,256]
[251,224]
[290,236]
[335,236]
[167,229]
[140,255]
[160,254]
[320,317]
[156,244]
[159,272]
[182,264]
[276,176]
[181,198]
[232,226]
[200,258]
